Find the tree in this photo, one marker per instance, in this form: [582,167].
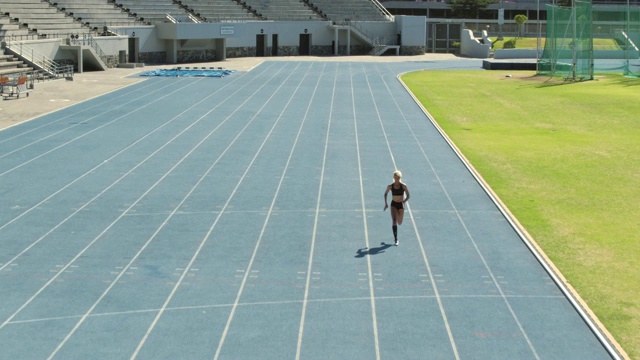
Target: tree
[520,20]
[469,9]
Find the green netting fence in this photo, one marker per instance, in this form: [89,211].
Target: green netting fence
[568,48]
[621,23]
[582,39]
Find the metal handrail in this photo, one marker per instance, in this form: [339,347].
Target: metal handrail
[170,18]
[373,40]
[194,19]
[90,41]
[175,20]
[40,61]
[384,10]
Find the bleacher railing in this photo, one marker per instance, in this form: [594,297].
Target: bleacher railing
[382,9]
[42,62]
[389,39]
[622,36]
[26,37]
[88,40]
[181,19]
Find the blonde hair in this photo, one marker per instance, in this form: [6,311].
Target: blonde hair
[397,173]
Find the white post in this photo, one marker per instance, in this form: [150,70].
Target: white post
[628,47]
[538,44]
[573,48]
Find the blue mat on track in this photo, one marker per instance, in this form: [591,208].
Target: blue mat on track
[182,72]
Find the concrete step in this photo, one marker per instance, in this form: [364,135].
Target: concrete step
[41,10]
[20,1]
[85,8]
[35,8]
[10,63]
[14,33]
[89,15]
[36,21]
[80,2]
[37,15]
[63,32]
[41,27]
[16,70]
[9,26]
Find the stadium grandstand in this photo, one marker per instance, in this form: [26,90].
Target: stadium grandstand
[530,8]
[97,34]
[48,36]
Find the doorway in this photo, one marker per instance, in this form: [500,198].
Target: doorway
[274,45]
[261,45]
[305,44]
[134,43]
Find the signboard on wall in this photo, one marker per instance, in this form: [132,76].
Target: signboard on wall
[226,30]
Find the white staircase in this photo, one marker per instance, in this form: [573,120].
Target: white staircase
[47,67]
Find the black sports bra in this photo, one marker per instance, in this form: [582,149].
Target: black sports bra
[395,191]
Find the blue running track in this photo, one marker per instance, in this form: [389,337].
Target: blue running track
[241,218]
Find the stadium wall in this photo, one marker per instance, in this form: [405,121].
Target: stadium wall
[169,43]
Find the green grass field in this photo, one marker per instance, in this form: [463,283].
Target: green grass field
[565,158]
[532,43]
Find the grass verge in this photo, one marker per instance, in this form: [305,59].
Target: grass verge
[565,159]
[532,43]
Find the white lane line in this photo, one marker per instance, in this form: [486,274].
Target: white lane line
[364,220]
[217,219]
[443,313]
[90,131]
[282,302]
[87,203]
[269,213]
[133,259]
[309,272]
[108,101]
[85,174]
[140,251]
[464,225]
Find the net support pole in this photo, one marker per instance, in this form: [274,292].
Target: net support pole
[574,31]
[628,44]
[539,35]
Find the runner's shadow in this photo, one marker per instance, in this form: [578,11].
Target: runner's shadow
[372,251]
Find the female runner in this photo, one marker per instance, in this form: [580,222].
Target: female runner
[398,190]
